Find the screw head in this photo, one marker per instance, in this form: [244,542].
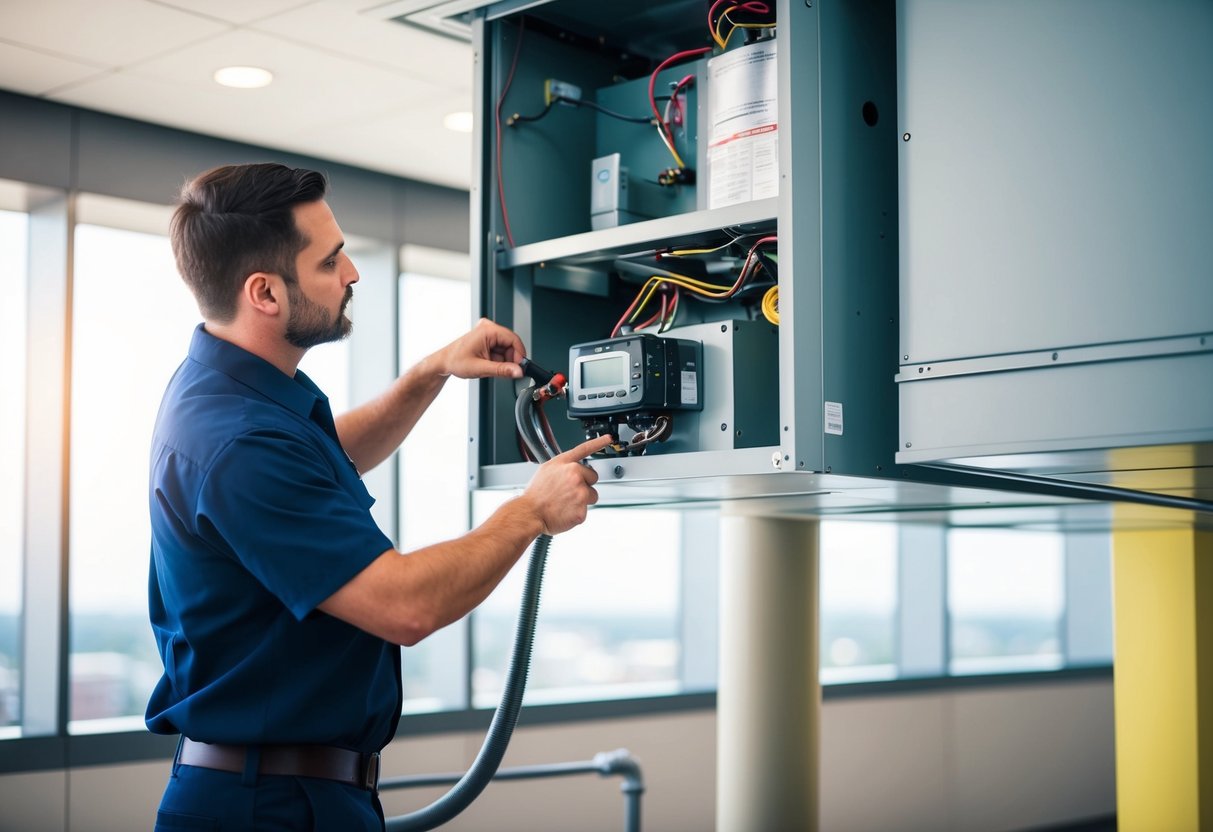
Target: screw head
[724,426]
[618,472]
[905,137]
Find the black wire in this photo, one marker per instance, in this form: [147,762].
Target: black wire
[607,112]
[576,102]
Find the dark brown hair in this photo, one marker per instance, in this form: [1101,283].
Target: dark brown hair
[235,220]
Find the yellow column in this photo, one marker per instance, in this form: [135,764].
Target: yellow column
[1163,588]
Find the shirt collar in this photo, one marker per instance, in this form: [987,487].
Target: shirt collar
[298,394]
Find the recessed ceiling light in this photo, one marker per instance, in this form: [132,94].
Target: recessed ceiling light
[460,122]
[243,77]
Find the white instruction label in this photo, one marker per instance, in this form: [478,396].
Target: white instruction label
[690,388]
[743,138]
[834,418]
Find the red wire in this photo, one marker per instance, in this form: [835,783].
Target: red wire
[684,83]
[635,301]
[505,214]
[712,13]
[673,59]
[732,290]
[754,6]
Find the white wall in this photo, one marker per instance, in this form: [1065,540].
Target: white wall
[981,759]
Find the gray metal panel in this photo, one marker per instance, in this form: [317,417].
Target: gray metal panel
[545,164]
[1058,410]
[859,241]
[798,41]
[1057,183]
[35,141]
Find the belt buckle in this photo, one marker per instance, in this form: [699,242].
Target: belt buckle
[370,780]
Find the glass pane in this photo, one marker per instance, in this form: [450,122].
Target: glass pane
[433,493]
[1005,600]
[13,249]
[608,621]
[132,322]
[858,601]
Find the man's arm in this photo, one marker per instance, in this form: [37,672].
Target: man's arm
[404,598]
[372,432]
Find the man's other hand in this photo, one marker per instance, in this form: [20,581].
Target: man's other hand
[563,488]
[489,350]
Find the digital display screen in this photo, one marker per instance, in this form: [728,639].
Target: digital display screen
[608,371]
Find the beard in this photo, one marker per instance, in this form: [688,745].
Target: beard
[310,324]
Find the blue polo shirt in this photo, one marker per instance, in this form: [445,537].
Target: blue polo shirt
[258,515]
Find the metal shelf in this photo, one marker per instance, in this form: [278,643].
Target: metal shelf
[683,229]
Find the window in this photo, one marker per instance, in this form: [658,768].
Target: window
[609,624]
[13,245]
[131,325]
[858,601]
[433,494]
[1006,596]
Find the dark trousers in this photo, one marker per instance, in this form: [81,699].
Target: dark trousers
[221,801]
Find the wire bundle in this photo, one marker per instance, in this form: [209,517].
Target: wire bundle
[753,7]
[663,281]
[664,131]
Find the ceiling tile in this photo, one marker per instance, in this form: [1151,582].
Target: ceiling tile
[310,86]
[113,33]
[396,138]
[408,143]
[236,11]
[35,73]
[332,26]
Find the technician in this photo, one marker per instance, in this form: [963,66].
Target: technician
[277,603]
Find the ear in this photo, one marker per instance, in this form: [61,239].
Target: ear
[265,292]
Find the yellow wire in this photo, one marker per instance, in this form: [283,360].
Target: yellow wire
[716,32]
[669,145]
[770,305]
[685,251]
[698,287]
[737,26]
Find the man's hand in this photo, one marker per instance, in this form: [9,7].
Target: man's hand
[563,488]
[487,351]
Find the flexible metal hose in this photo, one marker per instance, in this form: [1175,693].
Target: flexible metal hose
[501,729]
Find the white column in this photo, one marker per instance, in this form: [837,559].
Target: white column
[769,699]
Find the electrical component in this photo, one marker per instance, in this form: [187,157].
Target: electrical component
[560,91]
[636,381]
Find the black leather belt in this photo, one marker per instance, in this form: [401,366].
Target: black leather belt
[322,761]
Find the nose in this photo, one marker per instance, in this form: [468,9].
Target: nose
[351,272]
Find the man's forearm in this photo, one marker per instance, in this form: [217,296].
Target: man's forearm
[371,432]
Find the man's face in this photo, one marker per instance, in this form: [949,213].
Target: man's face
[323,284]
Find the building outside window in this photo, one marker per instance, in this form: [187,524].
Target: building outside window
[858,601]
[1006,598]
[13,246]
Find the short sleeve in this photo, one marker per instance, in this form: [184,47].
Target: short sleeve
[301,526]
